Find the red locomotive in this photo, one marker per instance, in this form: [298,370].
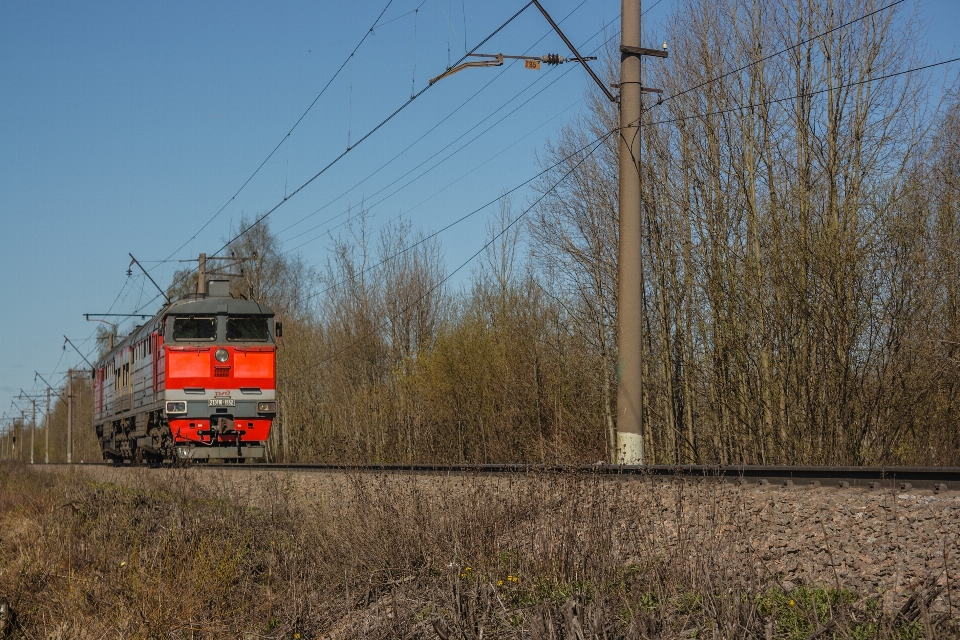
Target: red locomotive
[196,382]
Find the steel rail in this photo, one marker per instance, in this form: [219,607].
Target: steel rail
[937,478]
[940,478]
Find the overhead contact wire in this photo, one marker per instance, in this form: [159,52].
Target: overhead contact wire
[595,143]
[346,151]
[282,140]
[463,217]
[432,129]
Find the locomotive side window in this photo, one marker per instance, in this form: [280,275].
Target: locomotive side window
[247,329]
[190,328]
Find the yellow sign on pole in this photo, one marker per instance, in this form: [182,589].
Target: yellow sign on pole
[532,64]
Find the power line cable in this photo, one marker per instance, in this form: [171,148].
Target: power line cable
[495,200]
[438,124]
[445,158]
[282,140]
[470,214]
[470,259]
[439,163]
[464,103]
[260,219]
[333,162]
[806,94]
[448,185]
[444,188]
[742,68]
[368,134]
[782,51]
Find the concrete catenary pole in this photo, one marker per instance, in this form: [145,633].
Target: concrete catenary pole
[70,416]
[46,431]
[33,427]
[630,306]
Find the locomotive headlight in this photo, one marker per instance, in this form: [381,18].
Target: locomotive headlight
[176,407]
[221,355]
[267,407]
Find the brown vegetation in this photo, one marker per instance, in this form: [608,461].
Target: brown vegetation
[175,555]
[800,291]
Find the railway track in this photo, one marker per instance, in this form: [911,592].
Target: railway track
[902,478]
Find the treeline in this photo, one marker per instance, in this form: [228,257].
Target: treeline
[801,239]
[801,274]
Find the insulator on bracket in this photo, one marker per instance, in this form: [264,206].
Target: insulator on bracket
[553,58]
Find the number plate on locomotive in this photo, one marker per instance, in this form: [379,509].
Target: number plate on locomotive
[221,402]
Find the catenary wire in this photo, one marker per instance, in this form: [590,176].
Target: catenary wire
[450,184]
[282,140]
[365,136]
[402,15]
[464,217]
[439,162]
[405,104]
[595,144]
[805,94]
[337,159]
[659,102]
[433,128]
[464,103]
[457,180]
[782,51]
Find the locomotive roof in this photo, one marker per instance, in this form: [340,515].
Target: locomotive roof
[217,306]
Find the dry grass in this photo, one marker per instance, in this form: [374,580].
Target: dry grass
[563,556]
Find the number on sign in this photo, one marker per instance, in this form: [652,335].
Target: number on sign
[532,64]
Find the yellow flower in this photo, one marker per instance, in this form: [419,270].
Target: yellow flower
[296,636]
[499,583]
[123,564]
[792,603]
[468,569]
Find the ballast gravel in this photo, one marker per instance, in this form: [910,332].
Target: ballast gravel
[884,542]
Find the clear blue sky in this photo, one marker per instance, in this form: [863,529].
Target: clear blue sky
[125,126]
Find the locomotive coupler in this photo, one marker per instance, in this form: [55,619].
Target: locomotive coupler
[224,426]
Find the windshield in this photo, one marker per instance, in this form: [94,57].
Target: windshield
[194,328]
[247,329]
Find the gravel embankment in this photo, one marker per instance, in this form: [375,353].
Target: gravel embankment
[883,542]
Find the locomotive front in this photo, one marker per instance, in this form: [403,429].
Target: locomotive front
[219,378]
[198,381]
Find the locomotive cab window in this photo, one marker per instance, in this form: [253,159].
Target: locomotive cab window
[247,329]
[190,328]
